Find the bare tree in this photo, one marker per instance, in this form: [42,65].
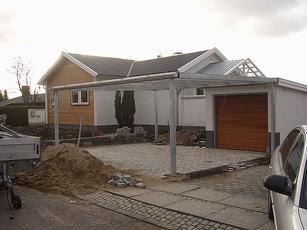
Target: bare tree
[23,71]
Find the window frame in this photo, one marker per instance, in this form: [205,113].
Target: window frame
[80,98]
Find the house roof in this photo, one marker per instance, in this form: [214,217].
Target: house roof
[163,64]
[105,65]
[117,67]
[40,98]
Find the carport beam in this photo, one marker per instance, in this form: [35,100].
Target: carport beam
[56,117]
[172,124]
[156,117]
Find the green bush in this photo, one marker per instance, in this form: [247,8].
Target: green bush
[16,115]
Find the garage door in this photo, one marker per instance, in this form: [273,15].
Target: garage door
[242,122]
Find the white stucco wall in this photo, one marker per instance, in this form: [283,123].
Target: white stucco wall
[104,108]
[291,110]
[144,106]
[211,92]
[191,109]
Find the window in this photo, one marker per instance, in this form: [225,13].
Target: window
[79,98]
[288,142]
[293,161]
[200,91]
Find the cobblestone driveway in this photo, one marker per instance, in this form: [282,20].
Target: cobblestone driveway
[246,182]
[154,159]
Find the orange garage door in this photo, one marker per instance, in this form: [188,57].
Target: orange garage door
[242,122]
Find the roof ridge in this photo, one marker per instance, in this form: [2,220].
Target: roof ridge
[174,55]
[97,56]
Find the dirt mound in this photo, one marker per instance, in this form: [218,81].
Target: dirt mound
[68,170]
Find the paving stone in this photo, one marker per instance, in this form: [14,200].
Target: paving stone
[207,194]
[159,215]
[239,217]
[268,226]
[242,182]
[158,198]
[175,187]
[195,207]
[248,202]
[154,159]
[130,191]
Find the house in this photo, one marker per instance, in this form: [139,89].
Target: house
[39,101]
[236,116]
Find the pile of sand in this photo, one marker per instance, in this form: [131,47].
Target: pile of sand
[68,170]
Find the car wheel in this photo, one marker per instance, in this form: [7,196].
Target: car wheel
[270,208]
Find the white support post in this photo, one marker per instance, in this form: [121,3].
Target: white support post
[156,116]
[272,119]
[56,117]
[172,124]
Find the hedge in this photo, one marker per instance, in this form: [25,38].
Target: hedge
[17,115]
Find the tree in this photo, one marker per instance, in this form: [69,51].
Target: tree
[118,108]
[22,71]
[6,97]
[128,108]
[1,96]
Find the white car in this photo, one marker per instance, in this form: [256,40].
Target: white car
[287,182]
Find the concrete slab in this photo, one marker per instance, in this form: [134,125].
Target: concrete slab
[240,217]
[268,226]
[130,192]
[158,198]
[207,194]
[196,207]
[177,188]
[248,202]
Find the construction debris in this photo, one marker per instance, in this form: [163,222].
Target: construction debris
[195,138]
[122,181]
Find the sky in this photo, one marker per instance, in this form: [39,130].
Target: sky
[272,33]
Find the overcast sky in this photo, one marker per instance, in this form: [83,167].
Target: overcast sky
[273,33]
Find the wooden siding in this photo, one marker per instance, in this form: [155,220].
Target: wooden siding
[69,73]
[242,122]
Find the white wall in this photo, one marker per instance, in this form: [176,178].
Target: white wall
[36,116]
[291,110]
[192,111]
[144,106]
[211,92]
[104,111]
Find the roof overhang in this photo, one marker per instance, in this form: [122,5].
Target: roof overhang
[62,57]
[163,81]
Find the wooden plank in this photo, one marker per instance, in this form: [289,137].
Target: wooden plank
[242,122]
[69,73]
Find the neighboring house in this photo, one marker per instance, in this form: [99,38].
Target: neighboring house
[39,101]
[235,117]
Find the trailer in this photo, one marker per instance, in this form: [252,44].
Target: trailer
[17,153]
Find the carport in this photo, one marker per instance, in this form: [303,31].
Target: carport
[173,82]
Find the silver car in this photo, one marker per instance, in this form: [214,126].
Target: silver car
[287,182]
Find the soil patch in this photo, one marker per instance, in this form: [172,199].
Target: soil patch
[67,170]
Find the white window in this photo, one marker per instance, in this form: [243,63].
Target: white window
[79,98]
[200,91]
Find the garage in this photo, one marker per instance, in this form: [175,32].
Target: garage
[242,122]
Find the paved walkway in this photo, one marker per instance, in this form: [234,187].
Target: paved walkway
[154,159]
[214,202]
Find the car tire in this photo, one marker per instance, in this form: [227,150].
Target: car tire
[270,207]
